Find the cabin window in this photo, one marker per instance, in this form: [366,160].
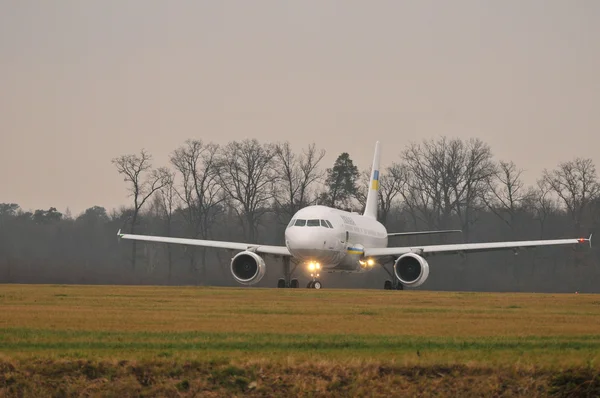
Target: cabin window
[313,223]
[300,223]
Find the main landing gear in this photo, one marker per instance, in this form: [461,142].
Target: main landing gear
[389,285]
[294,284]
[394,283]
[287,281]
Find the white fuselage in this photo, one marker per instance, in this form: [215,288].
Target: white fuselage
[334,238]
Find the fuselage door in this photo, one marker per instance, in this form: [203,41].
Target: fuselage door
[344,237]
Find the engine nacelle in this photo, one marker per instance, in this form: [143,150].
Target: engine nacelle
[411,269]
[248,268]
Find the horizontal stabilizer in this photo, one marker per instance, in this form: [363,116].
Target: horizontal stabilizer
[446,231]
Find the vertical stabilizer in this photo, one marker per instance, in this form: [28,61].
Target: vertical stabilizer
[373,192]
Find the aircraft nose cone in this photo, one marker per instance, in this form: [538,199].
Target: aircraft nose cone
[310,244]
[296,239]
[302,243]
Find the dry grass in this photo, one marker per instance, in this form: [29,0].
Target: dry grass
[124,340]
[263,378]
[356,312]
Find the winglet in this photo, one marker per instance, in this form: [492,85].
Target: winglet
[582,240]
[119,234]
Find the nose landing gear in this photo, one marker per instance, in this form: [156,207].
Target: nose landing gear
[314,269]
[314,284]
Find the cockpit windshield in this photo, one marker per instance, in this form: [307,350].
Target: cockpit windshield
[310,223]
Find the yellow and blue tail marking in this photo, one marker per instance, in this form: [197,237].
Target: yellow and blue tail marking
[375,182]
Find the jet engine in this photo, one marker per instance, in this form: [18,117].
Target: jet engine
[248,268]
[411,269]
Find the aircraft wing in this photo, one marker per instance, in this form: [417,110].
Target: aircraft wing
[265,249]
[470,247]
[445,231]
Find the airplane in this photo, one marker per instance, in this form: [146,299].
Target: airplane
[327,239]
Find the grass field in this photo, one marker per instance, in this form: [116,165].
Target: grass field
[174,341]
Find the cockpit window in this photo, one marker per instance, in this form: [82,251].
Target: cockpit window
[326,224]
[310,223]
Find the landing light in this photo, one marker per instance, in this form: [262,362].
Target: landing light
[367,263]
[313,266]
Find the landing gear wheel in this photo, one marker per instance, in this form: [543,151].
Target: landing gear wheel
[399,286]
[387,285]
[316,285]
[310,285]
[281,283]
[294,284]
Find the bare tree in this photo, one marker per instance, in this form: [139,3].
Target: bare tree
[433,169]
[446,177]
[296,174]
[576,184]
[418,203]
[168,203]
[506,194]
[200,191]
[248,176]
[390,186]
[470,186]
[542,204]
[143,183]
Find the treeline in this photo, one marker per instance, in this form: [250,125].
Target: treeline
[248,191]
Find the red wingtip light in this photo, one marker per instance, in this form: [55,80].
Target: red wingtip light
[581,240]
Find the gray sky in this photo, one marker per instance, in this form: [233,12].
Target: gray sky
[84,81]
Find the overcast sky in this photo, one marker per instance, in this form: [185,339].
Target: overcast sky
[84,81]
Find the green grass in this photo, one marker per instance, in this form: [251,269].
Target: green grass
[37,340]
